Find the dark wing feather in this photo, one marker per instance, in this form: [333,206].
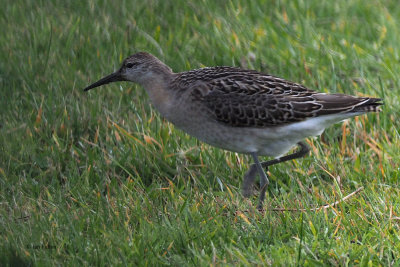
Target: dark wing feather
[340,103]
[245,98]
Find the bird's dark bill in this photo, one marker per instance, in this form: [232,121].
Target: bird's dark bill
[113,77]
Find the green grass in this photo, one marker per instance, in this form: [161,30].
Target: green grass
[100,178]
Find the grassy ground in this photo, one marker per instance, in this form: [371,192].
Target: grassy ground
[100,178]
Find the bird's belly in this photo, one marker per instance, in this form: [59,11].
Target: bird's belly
[266,141]
[263,141]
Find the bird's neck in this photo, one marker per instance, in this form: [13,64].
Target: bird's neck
[157,85]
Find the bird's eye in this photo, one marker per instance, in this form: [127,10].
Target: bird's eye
[131,64]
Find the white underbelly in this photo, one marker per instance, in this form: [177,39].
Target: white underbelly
[271,141]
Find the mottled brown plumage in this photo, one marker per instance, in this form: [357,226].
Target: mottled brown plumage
[247,98]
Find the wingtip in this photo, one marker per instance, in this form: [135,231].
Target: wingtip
[373,105]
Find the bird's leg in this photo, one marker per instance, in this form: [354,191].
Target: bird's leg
[251,173]
[263,180]
[304,149]
[248,181]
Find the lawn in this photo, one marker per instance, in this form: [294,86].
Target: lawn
[100,178]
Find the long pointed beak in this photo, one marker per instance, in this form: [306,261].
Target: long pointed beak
[113,77]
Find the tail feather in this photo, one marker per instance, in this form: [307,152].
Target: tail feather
[371,105]
[340,103]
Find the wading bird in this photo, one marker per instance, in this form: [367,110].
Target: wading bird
[240,110]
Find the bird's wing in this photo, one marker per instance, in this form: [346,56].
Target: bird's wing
[244,98]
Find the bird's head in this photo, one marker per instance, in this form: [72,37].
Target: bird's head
[139,68]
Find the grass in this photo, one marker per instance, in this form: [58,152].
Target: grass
[100,178]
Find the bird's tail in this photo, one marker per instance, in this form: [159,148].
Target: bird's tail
[369,105]
[340,103]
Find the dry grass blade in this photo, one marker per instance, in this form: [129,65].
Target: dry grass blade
[324,206]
